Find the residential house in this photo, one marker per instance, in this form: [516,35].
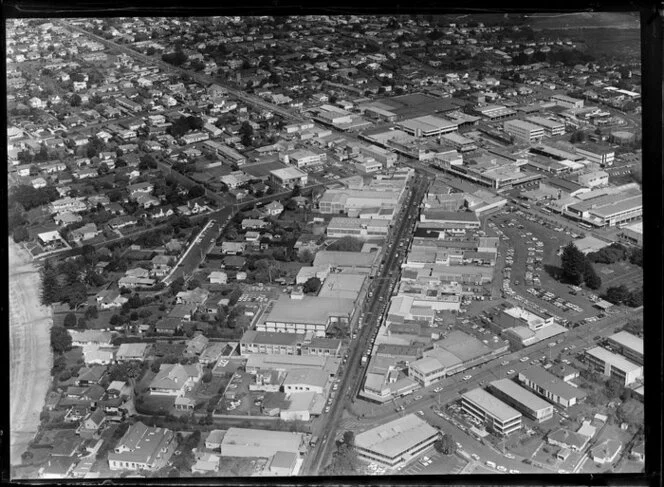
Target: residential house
[196,296]
[122,221]
[175,379]
[606,452]
[110,298]
[90,337]
[273,209]
[89,375]
[86,232]
[168,326]
[91,425]
[196,345]
[57,467]
[233,248]
[161,265]
[218,277]
[132,351]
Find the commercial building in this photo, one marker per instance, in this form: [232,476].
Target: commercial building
[397,442]
[289,177]
[342,285]
[434,366]
[632,234]
[428,126]
[495,112]
[599,154]
[613,365]
[523,131]
[460,143]
[455,221]
[491,171]
[303,158]
[270,342]
[594,179]
[567,101]
[308,314]
[630,346]
[353,201]
[551,128]
[522,399]
[385,157]
[498,416]
[360,262]
[551,387]
[358,227]
[253,443]
[143,448]
[608,209]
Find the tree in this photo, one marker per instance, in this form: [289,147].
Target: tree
[147,162]
[617,294]
[177,285]
[246,133]
[75,100]
[196,191]
[590,277]
[60,339]
[636,257]
[176,58]
[296,191]
[312,285]
[349,438]
[635,299]
[573,264]
[291,205]
[91,312]
[445,445]
[70,320]
[21,234]
[50,286]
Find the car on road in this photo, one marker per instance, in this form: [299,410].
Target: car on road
[417,398]
[437,389]
[421,413]
[327,409]
[500,468]
[467,377]
[475,456]
[510,456]
[524,359]
[510,372]
[514,470]
[504,363]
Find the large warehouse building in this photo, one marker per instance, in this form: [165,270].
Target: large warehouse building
[628,345]
[397,442]
[498,416]
[248,442]
[522,399]
[551,387]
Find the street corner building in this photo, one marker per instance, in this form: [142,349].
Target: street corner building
[397,442]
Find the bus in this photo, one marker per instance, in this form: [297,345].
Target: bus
[525,205]
[585,225]
[546,210]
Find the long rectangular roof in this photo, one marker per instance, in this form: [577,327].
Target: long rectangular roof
[395,437]
[615,360]
[551,383]
[519,394]
[628,340]
[491,404]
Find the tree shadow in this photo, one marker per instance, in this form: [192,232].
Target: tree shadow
[553,271]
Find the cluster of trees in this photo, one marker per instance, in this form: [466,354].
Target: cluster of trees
[29,197]
[184,124]
[60,340]
[622,295]
[577,268]
[246,134]
[311,286]
[617,253]
[63,283]
[578,136]
[176,58]
[568,57]
[344,460]
[445,445]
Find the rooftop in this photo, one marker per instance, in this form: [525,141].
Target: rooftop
[551,383]
[628,340]
[523,396]
[615,360]
[394,438]
[491,404]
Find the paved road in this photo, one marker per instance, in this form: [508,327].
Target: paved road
[354,372]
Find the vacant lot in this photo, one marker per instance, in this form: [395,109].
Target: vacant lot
[620,273]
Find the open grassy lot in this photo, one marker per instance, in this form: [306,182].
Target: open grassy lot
[620,273]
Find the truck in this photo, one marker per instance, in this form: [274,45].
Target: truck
[364,359]
[313,441]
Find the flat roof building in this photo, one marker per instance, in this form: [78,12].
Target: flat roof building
[363,228]
[551,127]
[270,342]
[397,442]
[249,442]
[522,399]
[613,365]
[498,416]
[628,345]
[310,313]
[523,131]
[428,126]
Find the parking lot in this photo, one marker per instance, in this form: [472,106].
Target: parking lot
[530,251]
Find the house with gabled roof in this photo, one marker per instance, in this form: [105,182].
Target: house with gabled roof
[90,375]
[91,425]
[175,379]
[132,351]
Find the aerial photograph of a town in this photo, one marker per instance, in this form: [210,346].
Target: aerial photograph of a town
[325,245]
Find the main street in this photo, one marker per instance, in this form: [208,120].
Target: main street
[354,372]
